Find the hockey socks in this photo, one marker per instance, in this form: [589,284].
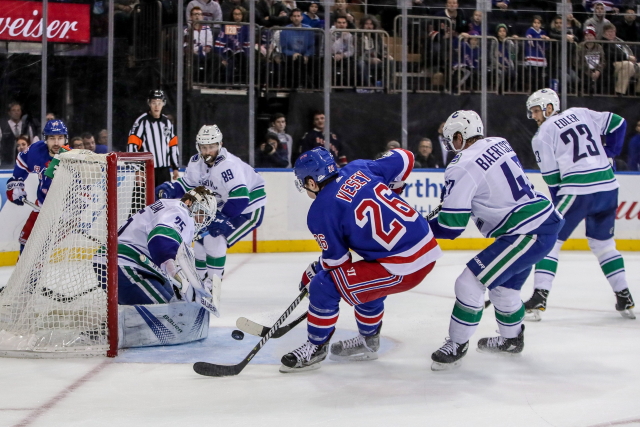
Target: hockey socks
[611,262]
[464,321]
[546,269]
[369,316]
[509,323]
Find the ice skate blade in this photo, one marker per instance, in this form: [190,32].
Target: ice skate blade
[628,314]
[287,370]
[532,316]
[498,352]
[437,366]
[360,357]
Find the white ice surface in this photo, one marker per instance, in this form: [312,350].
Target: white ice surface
[580,366]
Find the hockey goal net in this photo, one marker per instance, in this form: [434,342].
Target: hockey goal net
[62,298]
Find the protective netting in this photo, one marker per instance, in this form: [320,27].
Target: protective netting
[55,303]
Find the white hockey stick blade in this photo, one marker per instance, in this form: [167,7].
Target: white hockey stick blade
[249,327]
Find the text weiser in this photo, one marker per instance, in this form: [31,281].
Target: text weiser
[22,21]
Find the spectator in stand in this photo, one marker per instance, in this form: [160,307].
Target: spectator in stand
[372,53]
[555,32]
[12,127]
[610,6]
[232,46]
[341,10]
[76,143]
[227,7]
[342,51]
[298,48]
[633,150]
[278,127]
[621,63]
[467,62]
[22,143]
[501,4]
[535,57]
[211,10]
[88,142]
[424,158]
[203,63]
[460,21]
[388,146]
[269,13]
[315,138]
[504,55]
[50,116]
[627,28]
[476,22]
[102,147]
[598,19]
[269,155]
[311,17]
[590,62]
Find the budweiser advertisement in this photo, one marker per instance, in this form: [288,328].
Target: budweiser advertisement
[22,21]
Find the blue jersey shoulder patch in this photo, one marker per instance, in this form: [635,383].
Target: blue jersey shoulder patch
[456,159]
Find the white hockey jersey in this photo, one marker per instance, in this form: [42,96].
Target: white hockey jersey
[570,154]
[486,182]
[232,181]
[156,232]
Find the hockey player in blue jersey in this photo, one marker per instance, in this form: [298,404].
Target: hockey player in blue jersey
[485,181]
[35,160]
[577,168]
[357,208]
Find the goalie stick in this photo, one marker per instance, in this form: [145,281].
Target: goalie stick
[258,330]
[213,370]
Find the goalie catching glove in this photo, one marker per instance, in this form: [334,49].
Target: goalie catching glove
[16,191]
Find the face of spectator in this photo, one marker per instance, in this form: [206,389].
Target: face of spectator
[237,15]
[273,142]
[536,24]
[280,124]
[54,142]
[89,143]
[196,15]
[341,4]
[473,42]
[155,105]
[629,16]
[368,25]
[425,148]
[557,24]
[50,116]
[477,17]
[598,10]
[77,144]
[588,37]
[452,5]
[502,33]
[610,34]
[15,113]
[313,8]
[296,18]
[22,145]
[341,23]
[318,121]
[103,137]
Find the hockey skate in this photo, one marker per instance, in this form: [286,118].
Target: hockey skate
[625,304]
[448,356]
[357,349]
[536,304]
[502,345]
[307,357]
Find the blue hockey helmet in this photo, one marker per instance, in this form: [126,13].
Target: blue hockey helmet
[55,127]
[318,164]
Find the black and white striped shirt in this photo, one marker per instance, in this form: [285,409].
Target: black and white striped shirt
[155,136]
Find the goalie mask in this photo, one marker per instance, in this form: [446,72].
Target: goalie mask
[542,98]
[466,122]
[208,135]
[203,207]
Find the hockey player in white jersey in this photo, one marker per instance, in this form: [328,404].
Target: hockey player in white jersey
[485,182]
[239,191]
[575,165]
[149,243]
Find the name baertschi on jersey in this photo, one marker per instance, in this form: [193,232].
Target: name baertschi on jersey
[566,121]
[350,188]
[493,153]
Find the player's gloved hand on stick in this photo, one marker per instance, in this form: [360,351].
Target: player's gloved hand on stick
[308,275]
[164,191]
[16,191]
[220,225]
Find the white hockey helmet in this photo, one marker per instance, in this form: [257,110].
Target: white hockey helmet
[467,122]
[203,207]
[208,134]
[541,98]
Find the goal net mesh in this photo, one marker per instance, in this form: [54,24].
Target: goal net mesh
[55,303]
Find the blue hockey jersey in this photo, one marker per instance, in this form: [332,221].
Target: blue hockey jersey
[359,211]
[34,160]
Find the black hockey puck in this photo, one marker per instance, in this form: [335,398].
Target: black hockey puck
[237,335]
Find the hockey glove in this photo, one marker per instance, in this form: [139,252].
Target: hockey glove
[15,191]
[221,225]
[308,275]
[165,191]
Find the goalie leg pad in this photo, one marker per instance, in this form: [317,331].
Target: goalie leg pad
[139,287]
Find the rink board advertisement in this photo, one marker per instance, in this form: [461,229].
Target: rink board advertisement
[284,228]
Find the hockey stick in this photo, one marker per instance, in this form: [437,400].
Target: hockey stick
[63,298]
[434,212]
[213,370]
[258,330]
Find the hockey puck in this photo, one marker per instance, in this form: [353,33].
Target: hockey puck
[237,335]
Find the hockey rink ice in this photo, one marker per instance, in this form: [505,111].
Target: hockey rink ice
[580,365]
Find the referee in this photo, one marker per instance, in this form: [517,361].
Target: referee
[153,132]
